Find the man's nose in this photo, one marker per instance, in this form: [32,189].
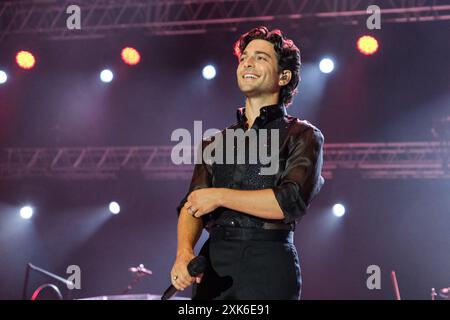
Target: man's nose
[249,62]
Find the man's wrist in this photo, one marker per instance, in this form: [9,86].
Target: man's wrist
[222,196]
[183,251]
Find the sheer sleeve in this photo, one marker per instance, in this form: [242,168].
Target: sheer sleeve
[301,179]
[201,177]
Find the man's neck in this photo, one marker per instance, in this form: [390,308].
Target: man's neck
[254,104]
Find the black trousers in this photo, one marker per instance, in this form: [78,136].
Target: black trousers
[243,269]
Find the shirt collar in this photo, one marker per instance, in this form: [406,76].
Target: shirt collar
[266,113]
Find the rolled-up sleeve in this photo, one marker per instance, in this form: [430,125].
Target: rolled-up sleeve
[301,180]
[201,178]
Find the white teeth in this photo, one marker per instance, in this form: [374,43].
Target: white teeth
[246,76]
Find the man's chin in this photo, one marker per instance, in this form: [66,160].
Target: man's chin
[248,90]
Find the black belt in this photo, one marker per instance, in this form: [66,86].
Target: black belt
[265,225]
[229,233]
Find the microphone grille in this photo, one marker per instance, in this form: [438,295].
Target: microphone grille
[197,266]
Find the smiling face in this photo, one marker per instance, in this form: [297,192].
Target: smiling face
[258,73]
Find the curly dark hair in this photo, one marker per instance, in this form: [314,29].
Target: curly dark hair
[287,53]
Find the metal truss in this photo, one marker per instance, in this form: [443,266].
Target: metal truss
[101,18]
[389,160]
[368,160]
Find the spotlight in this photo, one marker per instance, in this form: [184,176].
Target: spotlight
[114,207]
[338,210]
[106,75]
[209,72]
[326,65]
[25,60]
[26,212]
[367,45]
[3,77]
[130,56]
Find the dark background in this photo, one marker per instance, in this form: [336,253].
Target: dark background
[401,225]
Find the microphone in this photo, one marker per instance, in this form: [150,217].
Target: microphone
[195,267]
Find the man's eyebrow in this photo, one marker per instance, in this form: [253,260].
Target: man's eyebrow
[257,52]
[262,52]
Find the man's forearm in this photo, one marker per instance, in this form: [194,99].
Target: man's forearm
[259,203]
[189,231]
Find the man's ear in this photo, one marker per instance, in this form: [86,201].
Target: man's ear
[285,77]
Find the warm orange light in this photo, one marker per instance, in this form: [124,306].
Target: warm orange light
[367,45]
[130,56]
[25,60]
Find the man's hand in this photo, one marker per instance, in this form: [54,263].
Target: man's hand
[179,275]
[203,201]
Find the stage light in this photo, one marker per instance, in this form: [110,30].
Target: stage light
[338,210]
[26,212]
[130,56]
[3,77]
[209,72]
[25,60]
[114,207]
[106,75]
[367,45]
[326,65]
